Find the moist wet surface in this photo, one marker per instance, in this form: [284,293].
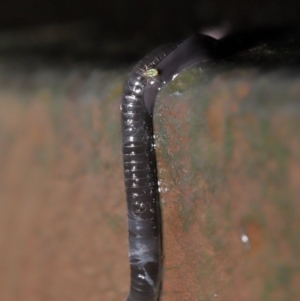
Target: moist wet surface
[229,164]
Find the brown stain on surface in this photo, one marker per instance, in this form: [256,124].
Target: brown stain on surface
[256,193]
[61,218]
[226,168]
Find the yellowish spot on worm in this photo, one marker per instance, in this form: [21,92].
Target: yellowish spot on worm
[150,73]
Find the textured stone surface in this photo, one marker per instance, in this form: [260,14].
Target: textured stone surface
[229,162]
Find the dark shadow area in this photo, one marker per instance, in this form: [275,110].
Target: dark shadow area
[122,31]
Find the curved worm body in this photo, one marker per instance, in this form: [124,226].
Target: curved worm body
[139,159]
[197,48]
[143,208]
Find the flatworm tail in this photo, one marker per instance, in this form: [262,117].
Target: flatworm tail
[139,159]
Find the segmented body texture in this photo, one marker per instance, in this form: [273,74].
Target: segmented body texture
[139,160]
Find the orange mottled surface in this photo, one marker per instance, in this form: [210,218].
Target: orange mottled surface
[229,164]
[229,161]
[62,220]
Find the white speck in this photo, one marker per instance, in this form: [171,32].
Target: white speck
[141,276]
[136,89]
[120,107]
[174,76]
[215,295]
[131,97]
[131,138]
[244,238]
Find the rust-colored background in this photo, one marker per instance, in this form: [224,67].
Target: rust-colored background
[230,169]
[63,224]
[229,164]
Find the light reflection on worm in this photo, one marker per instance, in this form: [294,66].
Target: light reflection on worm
[139,158]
